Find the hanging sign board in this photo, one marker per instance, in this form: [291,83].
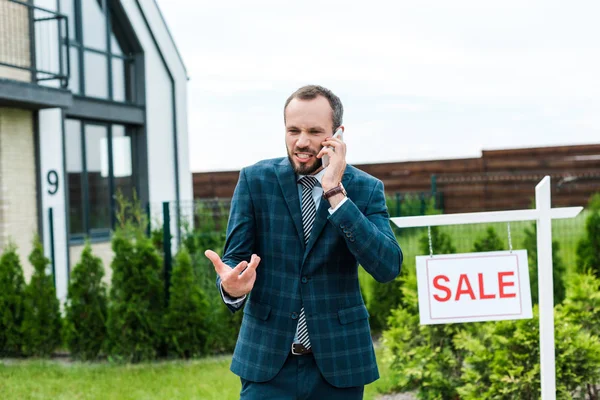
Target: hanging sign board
[473,287]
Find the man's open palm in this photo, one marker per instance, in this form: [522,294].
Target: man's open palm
[236,281]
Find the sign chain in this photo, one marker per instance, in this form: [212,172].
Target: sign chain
[430,245]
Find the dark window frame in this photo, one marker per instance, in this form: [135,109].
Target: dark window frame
[103,234]
[117,24]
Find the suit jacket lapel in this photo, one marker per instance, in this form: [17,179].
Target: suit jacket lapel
[322,215]
[289,187]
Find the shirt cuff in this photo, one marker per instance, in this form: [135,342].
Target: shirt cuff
[332,210]
[232,301]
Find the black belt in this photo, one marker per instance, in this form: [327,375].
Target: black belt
[298,349]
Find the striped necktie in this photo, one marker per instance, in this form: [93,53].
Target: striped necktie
[309,213]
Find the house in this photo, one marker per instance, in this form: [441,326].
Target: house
[92,103]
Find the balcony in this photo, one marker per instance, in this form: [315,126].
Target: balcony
[34,63]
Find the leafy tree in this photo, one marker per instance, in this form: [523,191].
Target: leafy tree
[502,362]
[42,320]
[558,266]
[12,291]
[421,357]
[490,242]
[209,232]
[188,309]
[86,308]
[385,297]
[135,313]
[588,248]
[441,242]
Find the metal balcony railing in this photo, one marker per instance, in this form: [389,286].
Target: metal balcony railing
[33,43]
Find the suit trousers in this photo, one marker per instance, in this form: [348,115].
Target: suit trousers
[298,379]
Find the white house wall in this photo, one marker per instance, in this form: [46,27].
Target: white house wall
[179,73]
[53,196]
[159,108]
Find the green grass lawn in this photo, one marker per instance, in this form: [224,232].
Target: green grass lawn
[205,379]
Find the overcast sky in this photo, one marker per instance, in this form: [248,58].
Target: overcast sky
[418,80]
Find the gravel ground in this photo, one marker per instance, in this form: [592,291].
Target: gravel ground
[398,396]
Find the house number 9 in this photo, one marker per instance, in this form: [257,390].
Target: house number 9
[52,179]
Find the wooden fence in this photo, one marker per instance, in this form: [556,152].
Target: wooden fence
[498,180]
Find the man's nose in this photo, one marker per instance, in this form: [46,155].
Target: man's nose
[303,140]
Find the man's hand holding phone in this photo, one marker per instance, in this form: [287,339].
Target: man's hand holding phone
[237,281]
[335,149]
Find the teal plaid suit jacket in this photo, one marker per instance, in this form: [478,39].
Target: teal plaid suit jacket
[322,276]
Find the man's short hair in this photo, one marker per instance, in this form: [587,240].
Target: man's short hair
[310,92]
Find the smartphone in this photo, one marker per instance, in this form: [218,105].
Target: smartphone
[338,134]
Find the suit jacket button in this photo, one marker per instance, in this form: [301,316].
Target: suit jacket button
[304,279]
[348,234]
[294,315]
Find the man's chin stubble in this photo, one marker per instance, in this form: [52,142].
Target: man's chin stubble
[309,170]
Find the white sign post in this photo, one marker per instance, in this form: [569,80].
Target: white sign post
[544,215]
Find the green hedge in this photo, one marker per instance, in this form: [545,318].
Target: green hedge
[42,320]
[137,305]
[494,360]
[209,233]
[86,308]
[186,320]
[12,299]
[588,249]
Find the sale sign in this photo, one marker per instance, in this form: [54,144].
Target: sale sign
[473,287]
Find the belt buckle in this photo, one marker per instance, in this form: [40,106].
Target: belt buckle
[300,347]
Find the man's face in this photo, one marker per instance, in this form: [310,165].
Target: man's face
[307,124]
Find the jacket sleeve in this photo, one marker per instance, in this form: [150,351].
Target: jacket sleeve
[239,243]
[369,236]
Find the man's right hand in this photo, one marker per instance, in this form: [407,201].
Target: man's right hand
[236,281]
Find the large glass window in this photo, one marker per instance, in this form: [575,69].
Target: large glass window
[99,164]
[96,155]
[75,175]
[100,61]
[96,72]
[94,24]
[122,160]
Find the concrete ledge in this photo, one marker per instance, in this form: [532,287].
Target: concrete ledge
[32,96]
[102,110]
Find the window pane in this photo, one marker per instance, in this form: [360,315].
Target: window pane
[94,24]
[115,48]
[122,161]
[118,72]
[96,157]
[66,7]
[74,175]
[130,81]
[96,75]
[74,78]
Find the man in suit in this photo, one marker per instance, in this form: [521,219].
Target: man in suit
[305,332]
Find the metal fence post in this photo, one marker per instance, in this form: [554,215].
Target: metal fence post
[398,203]
[148,223]
[434,190]
[51,237]
[167,248]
